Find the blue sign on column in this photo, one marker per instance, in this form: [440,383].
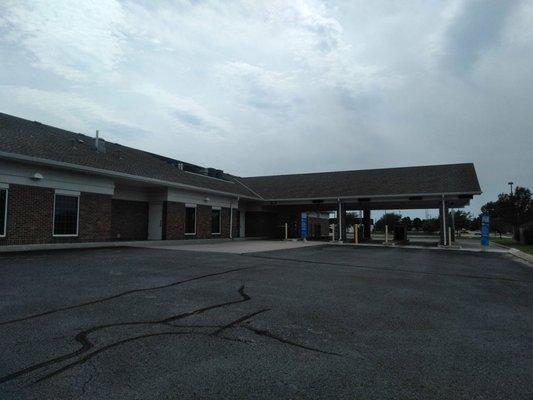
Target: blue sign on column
[485,229]
[303,225]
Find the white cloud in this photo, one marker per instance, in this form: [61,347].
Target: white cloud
[271,87]
[76,40]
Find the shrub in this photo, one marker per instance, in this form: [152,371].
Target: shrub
[526,233]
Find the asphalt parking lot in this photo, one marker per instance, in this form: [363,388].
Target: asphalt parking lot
[315,322]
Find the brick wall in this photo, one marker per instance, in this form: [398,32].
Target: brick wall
[95,218]
[30,217]
[203,222]
[224,223]
[101,218]
[262,224]
[129,220]
[173,220]
[236,223]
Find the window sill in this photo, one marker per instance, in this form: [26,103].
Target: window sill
[190,234]
[60,236]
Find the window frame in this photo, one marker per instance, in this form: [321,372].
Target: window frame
[61,193]
[193,206]
[6,188]
[219,209]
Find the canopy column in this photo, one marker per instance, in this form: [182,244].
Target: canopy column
[444,222]
[340,229]
[367,235]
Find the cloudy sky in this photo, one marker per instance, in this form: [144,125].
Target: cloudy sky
[270,87]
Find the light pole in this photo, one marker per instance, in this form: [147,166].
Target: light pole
[513,209]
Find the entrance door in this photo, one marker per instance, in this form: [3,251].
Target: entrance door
[155,221]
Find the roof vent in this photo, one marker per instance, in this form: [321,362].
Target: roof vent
[99,144]
[215,173]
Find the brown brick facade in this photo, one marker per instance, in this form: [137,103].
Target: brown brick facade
[203,222]
[31,213]
[95,218]
[173,220]
[30,217]
[224,223]
[129,220]
[236,226]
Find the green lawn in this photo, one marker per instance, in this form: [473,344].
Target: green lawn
[509,242]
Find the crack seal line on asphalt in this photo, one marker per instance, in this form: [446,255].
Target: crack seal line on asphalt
[115,296]
[87,345]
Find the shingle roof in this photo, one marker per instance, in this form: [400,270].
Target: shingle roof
[34,139]
[432,179]
[30,138]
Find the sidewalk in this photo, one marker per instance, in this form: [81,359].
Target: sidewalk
[97,245]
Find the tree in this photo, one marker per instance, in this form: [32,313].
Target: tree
[431,225]
[475,224]
[389,219]
[417,224]
[462,219]
[510,210]
[406,221]
[350,218]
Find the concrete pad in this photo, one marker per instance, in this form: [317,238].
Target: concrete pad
[234,247]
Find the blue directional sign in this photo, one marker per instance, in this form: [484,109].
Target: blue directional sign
[485,225]
[303,225]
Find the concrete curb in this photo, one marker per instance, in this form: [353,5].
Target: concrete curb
[454,248]
[523,256]
[528,258]
[99,245]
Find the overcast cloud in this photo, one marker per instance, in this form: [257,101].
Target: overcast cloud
[270,87]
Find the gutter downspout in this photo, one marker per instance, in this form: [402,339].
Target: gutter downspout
[231,217]
[339,218]
[445,239]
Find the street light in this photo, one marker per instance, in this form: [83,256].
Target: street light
[511,185]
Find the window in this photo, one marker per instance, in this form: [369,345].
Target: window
[3,211]
[66,209]
[215,221]
[190,220]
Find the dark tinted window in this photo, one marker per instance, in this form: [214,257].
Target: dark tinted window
[215,221]
[3,208]
[66,215]
[190,220]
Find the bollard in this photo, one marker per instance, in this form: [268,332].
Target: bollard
[386,234]
[356,234]
[286,232]
[449,236]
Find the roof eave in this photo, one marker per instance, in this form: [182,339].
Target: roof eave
[114,174]
[356,197]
